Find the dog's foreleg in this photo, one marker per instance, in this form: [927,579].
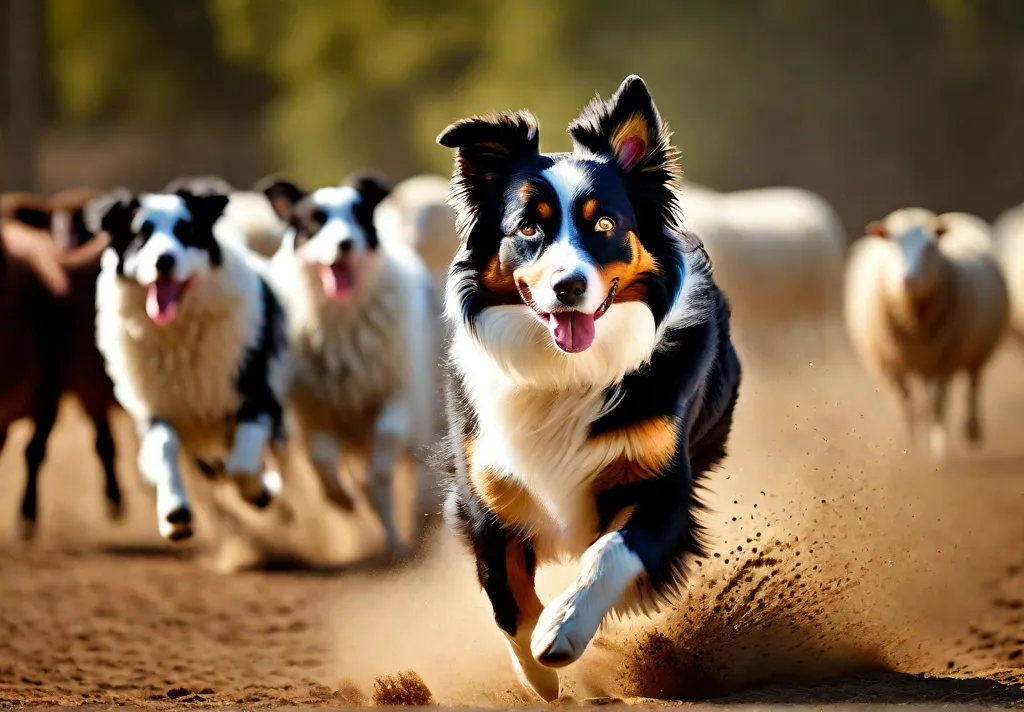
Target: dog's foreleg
[390,435]
[657,533]
[245,461]
[158,461]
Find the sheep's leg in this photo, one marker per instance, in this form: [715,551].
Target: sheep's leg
[937,438]
[106,452]
[35,453]
[158,461]
[972,427]
[906,404]
[390,436]
[325,452]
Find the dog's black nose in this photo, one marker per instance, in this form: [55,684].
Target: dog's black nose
[569,288]
[165,263]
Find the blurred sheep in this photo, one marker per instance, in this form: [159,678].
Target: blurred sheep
[417,214]
[1008,232]
[925,298]
[777,252]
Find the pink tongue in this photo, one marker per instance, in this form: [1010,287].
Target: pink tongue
[162,301]
[572,331]
[337,280]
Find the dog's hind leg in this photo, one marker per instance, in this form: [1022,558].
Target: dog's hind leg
[158,461]
[245,461]
[35,453]
[324,453]
[390,435]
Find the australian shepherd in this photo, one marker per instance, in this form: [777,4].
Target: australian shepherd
[592,378]
[363,334]
[195,342]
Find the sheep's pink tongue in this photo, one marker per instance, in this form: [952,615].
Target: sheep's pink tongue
[336,280]
[162,301]
[572,331]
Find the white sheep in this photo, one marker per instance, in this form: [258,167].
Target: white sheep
[416,213]
[777,252]
[1008,232]
[925,298]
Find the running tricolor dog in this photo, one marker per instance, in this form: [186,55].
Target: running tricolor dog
[195,342]
[592,380]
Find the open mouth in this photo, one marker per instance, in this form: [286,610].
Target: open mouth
[572,331]
[163,298]
[338,279]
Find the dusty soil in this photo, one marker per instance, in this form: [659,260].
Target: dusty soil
[845,568]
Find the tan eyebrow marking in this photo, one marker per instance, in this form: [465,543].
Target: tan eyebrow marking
[590,209]
[544,210]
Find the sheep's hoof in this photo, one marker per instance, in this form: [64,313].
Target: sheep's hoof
[115,510]
[177,524]
[25,529]
[973,432]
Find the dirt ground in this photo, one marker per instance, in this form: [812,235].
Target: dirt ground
[845,569]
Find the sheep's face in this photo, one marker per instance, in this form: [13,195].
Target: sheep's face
[331,232]
[162,242]
[920,259]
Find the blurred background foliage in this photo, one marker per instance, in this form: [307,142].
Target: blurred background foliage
[873,103]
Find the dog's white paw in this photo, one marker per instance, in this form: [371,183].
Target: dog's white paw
[534,676]
[176,525]
[561,634]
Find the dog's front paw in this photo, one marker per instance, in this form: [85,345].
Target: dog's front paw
[561,634]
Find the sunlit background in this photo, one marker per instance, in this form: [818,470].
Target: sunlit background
[873,104]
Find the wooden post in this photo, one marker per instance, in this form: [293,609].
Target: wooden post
[24,94]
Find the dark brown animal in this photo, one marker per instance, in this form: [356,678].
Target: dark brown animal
[48,269]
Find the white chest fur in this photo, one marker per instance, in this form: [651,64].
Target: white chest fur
[534,407]
[185,371]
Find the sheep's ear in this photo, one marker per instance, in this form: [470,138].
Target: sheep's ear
[207,208]
[876,228]
[282,193]
[112,213]
[627,127]
[371,186]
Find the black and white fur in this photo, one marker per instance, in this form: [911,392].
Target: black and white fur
[363,333]
[585,448]
[205,372]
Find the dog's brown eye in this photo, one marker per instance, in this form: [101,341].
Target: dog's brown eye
[527,230]
[605,225]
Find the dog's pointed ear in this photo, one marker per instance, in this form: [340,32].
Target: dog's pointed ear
[282,193]
[626,127]
[371,186]
[488,144]
[207,208]
[112,212]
